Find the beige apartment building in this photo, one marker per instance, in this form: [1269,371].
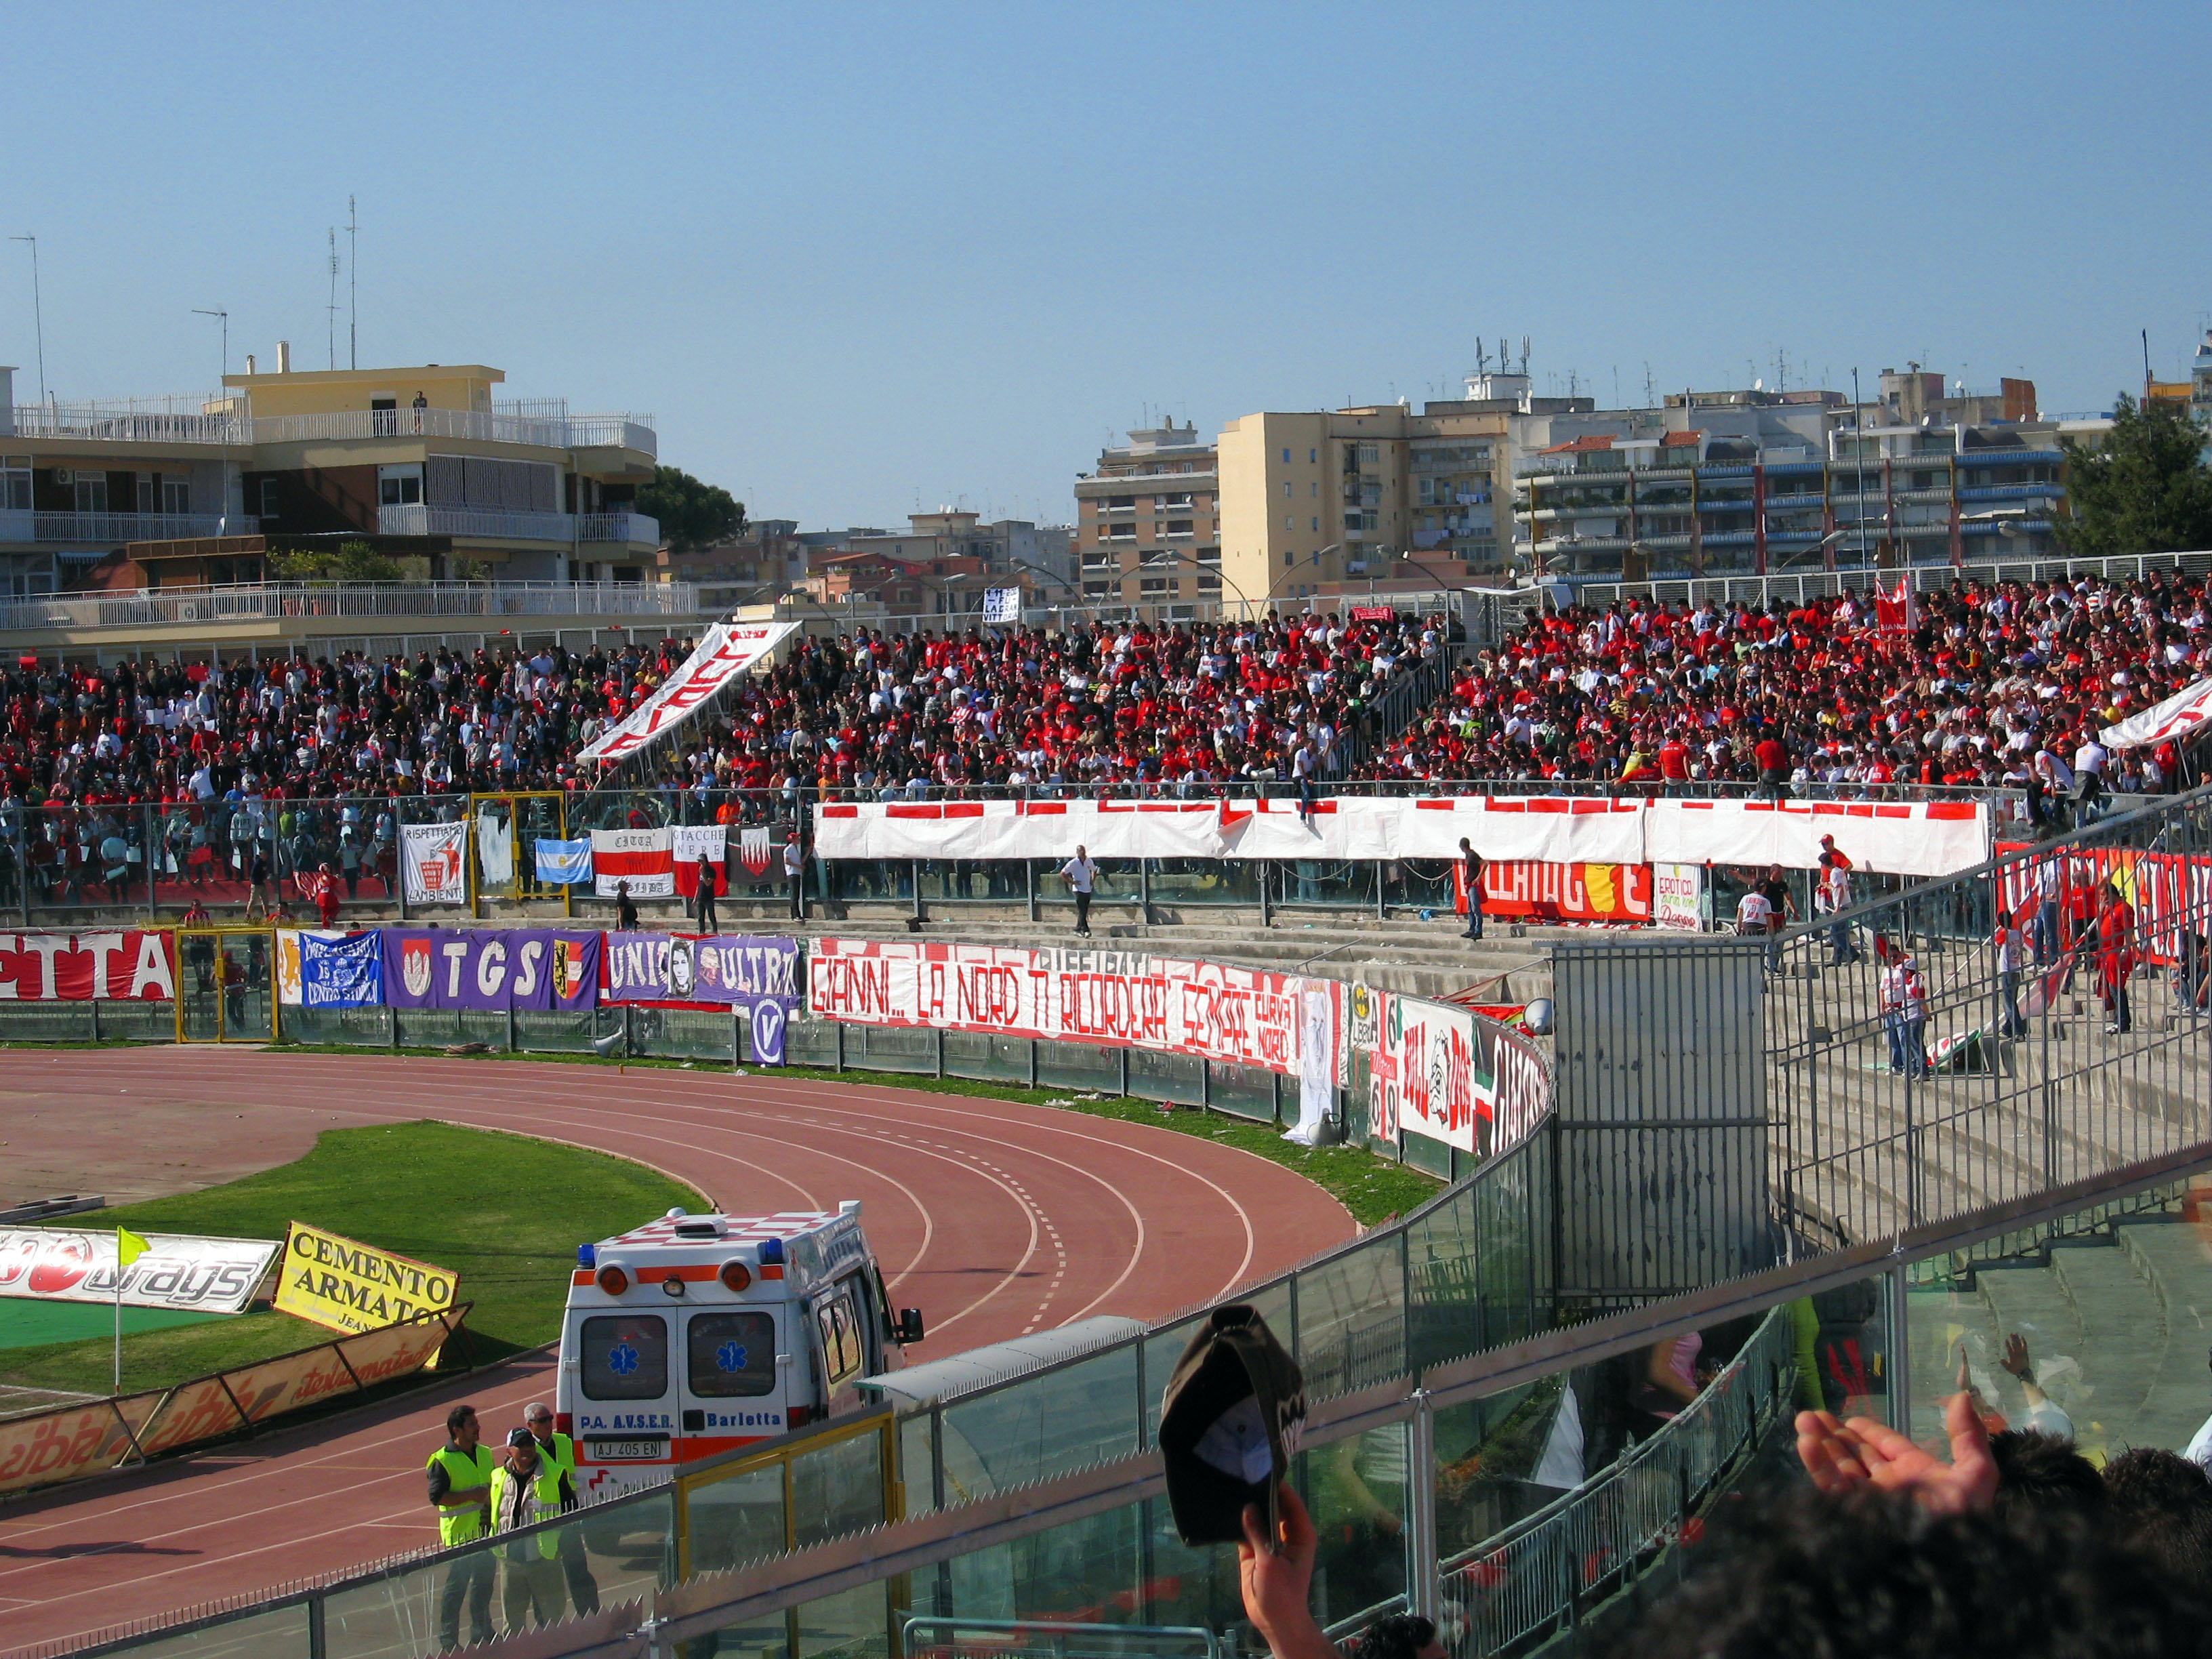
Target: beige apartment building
[1314,503]
[1148,524]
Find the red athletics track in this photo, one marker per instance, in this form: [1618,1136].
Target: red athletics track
[994,1219]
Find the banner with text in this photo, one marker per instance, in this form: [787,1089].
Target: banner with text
[1678,896]
[133,964]
[432,859]
[1242,1016]
[727,650]
[347,1286]
[179,1271]
[532,968]
[1590,893]
[1445,1072]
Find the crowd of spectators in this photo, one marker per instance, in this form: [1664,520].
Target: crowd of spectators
[1997,685]
[2002,686]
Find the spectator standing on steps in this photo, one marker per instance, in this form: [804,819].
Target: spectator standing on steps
[1474,863]
[1081,874]
[2010,950]
[2116,960]
[702,902]
[794,873]
[460,1491]
[625,909]
[1904,1017]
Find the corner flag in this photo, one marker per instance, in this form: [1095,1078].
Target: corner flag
[129,1247]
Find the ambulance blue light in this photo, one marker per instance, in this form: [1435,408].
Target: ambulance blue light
[771,1252]
[587,1255]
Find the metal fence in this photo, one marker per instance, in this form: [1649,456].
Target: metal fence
[340,601]
[1795,587]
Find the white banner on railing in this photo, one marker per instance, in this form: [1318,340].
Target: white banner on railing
[1438,1070]
[1117,998]
[433,863]
[1918,838]
[727,650]
[203,1275]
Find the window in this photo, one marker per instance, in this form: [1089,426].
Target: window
[269,508]
[841,1354]
[1286,454]
[1157,585]
[625,1357]
[1288,523]
[149,491]
[91,492]
[1289,557]
[15,482]
[1313,458]
[1179,528]
[1098,590]
[1101,561]
[398,486]
[1287,492]
[176,495]
[1316,524]
[731,1354]
[1208,584]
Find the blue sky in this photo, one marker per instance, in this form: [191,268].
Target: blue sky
[859,258]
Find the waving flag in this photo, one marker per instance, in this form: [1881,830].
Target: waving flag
[563,863]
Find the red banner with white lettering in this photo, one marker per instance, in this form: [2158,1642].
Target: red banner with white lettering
[727,651]
[1592,893]
[134,963]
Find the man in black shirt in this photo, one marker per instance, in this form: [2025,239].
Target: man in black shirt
[1474,865]
[625,909]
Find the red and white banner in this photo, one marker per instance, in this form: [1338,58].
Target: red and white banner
[1916,838]
[661,863]
[2182,716]
[1115,999]
[1441,1070]
[727,650]
[2171,894]
[1591,893]
[203,1275]
[1919,838]
[83,967]
[1554,829]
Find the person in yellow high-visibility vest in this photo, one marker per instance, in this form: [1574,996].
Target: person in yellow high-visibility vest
[460,1490]
[560,1452]
[525,1488]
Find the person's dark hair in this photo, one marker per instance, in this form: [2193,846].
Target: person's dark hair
[456,1417]
[2037,1471]
[2161,1503]
[1874,1577]
[1400,1636]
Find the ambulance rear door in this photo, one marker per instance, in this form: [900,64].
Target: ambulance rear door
[841,1340]
[625,1395]
[732,1388]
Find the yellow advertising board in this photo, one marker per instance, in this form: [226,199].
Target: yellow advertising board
[346,1286]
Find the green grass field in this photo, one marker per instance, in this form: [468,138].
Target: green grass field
[503,1211]
[1372,1188]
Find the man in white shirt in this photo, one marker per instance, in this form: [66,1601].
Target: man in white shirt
[794,874]
[1905,1018]
[1754,914]
[2089,762]
[1081,874]
[1834,896]
[2010,950]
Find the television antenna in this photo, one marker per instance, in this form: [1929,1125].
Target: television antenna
[331,310]
[222,316]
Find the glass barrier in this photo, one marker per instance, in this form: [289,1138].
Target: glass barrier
[619,1551]
[280,1632]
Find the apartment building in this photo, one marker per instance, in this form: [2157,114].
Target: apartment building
[1313,503]
[1148,524]
[424,464]
[1753,481]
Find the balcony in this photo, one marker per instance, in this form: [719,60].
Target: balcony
[480,523]
[627,529]
[543,432]
[185,420]
[114,528]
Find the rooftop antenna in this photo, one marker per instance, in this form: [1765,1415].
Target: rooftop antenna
[39,316]
[353,286]
[331,310]
[1651,400]
[1481,358]
[1524,354]
[223,316]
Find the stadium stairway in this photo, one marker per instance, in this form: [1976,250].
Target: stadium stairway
[2117,1324]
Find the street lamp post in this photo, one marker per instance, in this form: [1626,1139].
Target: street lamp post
[1177,556]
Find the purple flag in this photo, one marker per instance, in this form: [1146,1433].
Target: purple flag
[532,968]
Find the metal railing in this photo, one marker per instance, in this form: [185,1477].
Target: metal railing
[623,431]
[221,418]
[367,601]
[624,527]
[111,529]
[1795,587]
[492,523]
[1544,1574]
[1988,1081]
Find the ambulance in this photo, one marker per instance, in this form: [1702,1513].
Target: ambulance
[696,1334]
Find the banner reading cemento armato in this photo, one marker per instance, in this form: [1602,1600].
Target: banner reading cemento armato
[346,1286]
